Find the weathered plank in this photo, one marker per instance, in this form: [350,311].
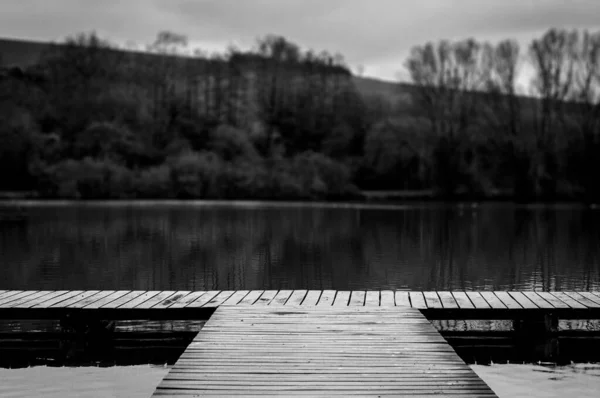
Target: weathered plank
[402,299]
[522,300]
[583,299]
[91,299]
[251,297]
[387,298]
[538,300]
[417,300]
[58,299]
[266,297]
[432,300]
[108,299]
[187,299]
[357,298]
[124,299]
[342,298]
[447,300]
[372,298]
[568,300]
[281,298]
[75,299]
[236,297]
[462,300]
[204,299]
[142,298]
[31,300]
[36,299]
[590,296]
[493,300]
[556,303]
[326,298]
[172,299]
[297,297]
[312,297]
[508,301]
[219,298]
[154,300]
[18,295]
[478,301]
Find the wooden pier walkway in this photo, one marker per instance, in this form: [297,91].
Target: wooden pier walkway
[321,352]
[141,304]
[315,342]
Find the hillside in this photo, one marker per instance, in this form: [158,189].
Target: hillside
[23,53]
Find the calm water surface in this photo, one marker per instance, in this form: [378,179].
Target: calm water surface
[226,246]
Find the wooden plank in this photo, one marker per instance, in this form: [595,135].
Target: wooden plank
[33,300]
[173,299]
[219,298]
[372,298]
[75,299]
[187,299]
[155,299]
[462,300]
[447,300]
[478,301]
[432,300]
[26,301]
[402,299]
[508,301]
[58,299]
[327,298]
[523,301]
[141,299]
[493,301]
[312,297]
[417,300]
[555,302]
[236,297]
[583,300]
[91,299]
[18,295]
[357,298]
[124,299]
[342,298]
[266,297]
[204,299]
[538,300]
[8,293]
[568,300]
[251,297]
[281,297]
[590,296]
[387,298]
[107,299]
[297,297]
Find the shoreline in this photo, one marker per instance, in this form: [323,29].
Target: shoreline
[364,198]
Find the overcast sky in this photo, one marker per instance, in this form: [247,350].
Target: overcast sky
[377,34]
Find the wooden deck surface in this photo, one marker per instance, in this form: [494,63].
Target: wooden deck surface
[293,350]
[142,299]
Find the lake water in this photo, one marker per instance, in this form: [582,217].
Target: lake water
[237,245]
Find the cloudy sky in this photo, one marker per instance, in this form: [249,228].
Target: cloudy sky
[377,34]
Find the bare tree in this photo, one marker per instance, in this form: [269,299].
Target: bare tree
[553,60]
[502,86]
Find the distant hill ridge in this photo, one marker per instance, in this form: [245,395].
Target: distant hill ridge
[24,53]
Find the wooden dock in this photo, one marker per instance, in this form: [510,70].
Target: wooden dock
[141,304]
[321,351]
[317,340]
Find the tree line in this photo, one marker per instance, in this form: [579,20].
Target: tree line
[90,120]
